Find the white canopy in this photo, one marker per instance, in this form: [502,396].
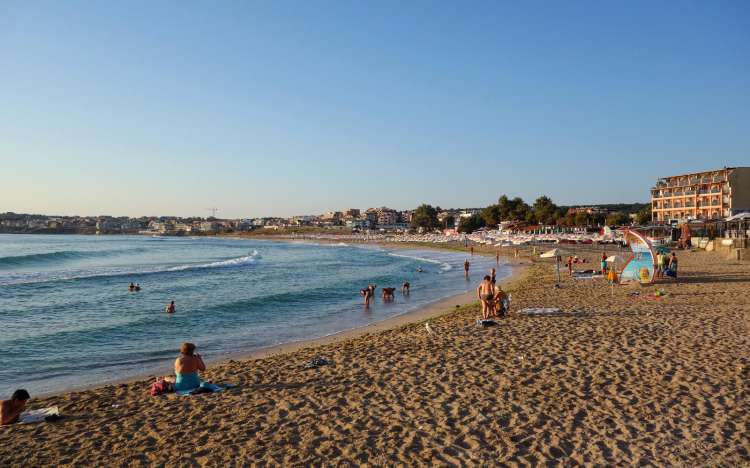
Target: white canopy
[615,259]
[738,216]
[551,254]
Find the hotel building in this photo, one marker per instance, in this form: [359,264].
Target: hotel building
[701,195]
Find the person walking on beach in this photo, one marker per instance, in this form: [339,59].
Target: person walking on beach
[604,263]
[486,294]
[10,410]
[673,265]
[170,308]
[660,265]
[466,268]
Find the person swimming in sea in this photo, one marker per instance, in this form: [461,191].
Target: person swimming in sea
[170,308]
[137,287]
[405,288]
[131,287]
[419,270]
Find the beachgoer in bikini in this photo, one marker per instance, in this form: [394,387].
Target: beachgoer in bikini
[11,409]
[186,368]
[486,292]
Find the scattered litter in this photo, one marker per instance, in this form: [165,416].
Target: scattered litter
[318,362]
[428,327]
[115,405]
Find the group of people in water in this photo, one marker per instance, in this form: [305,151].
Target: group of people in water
[388,295]
[135,287]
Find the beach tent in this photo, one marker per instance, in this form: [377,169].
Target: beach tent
[640,268]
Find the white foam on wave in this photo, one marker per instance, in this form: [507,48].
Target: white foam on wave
[42,277]
[443,266]
[239,261]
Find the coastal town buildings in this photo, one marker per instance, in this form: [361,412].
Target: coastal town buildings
[701,195]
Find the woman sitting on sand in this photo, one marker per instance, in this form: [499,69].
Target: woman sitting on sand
[186,368]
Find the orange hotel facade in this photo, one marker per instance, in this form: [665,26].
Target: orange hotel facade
[713,194]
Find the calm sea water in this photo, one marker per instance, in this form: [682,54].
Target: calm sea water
[68,318]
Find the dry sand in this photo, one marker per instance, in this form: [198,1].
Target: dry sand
[614,379]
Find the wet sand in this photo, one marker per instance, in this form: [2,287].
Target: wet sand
[615,378]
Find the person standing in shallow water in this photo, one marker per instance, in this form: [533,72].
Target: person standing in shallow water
[170,308]
[466,269]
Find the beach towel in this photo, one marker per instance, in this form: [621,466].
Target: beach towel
[34,416]
[539,311]
[205,387]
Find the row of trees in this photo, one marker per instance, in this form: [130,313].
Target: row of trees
[543,211]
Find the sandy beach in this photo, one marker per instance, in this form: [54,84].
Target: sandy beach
[618,377]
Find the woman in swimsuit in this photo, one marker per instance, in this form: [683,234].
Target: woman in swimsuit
[186,368]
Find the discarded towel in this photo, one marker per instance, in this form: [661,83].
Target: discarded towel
[316,362]
[539,311]
[45,414]
[486,323]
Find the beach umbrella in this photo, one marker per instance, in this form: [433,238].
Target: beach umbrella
[551,253]
[556,254]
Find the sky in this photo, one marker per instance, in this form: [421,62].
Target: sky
[283,108]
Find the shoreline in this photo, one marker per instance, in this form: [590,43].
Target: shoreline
[428,311]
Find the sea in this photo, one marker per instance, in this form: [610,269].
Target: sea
[68,319]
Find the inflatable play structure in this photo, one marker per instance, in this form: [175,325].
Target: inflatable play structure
[642,266]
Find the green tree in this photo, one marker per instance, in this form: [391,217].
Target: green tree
[544,210]
[449,221]
[581,219]
[617,218]
[491,215]
[470,223]
[425,216]
[643,217]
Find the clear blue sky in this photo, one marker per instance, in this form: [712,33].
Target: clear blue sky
[282,108]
